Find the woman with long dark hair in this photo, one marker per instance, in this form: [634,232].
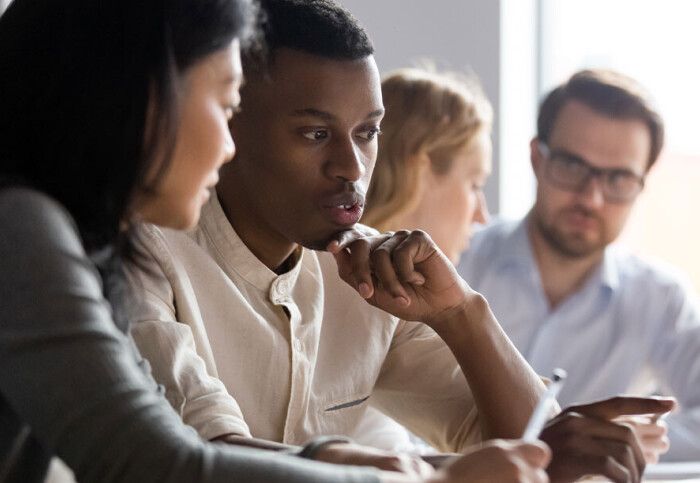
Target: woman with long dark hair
[110,113]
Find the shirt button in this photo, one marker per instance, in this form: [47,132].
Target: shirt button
[298,345]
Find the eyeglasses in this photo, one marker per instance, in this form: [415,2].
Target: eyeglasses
[572,173]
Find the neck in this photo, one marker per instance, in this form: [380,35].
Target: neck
[268,246]
[561,275]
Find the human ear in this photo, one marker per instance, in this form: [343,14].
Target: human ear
[536,158]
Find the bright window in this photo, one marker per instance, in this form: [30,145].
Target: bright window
[657,43]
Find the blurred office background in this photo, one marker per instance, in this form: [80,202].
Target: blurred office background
[522,48]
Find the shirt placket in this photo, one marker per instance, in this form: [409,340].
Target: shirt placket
[299,367]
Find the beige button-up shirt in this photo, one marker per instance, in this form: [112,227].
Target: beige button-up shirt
[287,357]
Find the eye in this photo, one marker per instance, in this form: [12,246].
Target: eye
[570,165]
[622,179]
[370,133]
[315,135]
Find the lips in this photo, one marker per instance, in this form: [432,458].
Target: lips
[581,220]
[344,209]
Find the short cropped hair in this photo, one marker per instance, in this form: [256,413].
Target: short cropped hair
[318,27]
[609,93]
[427,112]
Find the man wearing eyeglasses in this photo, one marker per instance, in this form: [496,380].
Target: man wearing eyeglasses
[567,297]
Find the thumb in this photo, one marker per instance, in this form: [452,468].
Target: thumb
[536,453]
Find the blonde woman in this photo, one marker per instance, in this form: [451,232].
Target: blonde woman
[434,158]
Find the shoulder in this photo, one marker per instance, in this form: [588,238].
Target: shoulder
[492,236]
[17,204]
[33,220]
[485,246]
[164,246]
[647,275]
[645,270]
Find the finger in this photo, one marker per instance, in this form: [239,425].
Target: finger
[536,454]
[624,405]
[342,260]
[540,476]
[658,445]
[360,268]
[406,255]
[651,457]
[345,270]
[597,433]
[383,268]
[651,433]
[342,239]
[652,430]
[346,238]
[626,457]
[610,468]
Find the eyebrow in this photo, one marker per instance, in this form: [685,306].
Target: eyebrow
[327,116]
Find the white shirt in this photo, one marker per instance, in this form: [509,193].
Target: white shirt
[302,353]
[633,327]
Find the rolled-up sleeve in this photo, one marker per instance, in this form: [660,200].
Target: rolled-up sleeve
[675,360]
[422,386]
[190,381]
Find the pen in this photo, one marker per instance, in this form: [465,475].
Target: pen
[539,415]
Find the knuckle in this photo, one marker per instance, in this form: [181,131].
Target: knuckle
[611,466]
[617,400]
[420,235]
[380,254]
[573,422]
[628,433]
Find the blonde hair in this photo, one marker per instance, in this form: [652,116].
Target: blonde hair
[427,113]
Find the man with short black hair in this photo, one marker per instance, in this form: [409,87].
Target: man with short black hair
[295,343]
[298,347]
[567,297]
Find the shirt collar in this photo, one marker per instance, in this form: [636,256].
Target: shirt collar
[517,253]
[609,273]
[236,255]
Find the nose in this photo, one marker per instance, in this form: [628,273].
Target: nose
[346,161]
[482,210]
[591,194]
[229,147]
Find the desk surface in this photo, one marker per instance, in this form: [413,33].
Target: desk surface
[685,471]
[668,472]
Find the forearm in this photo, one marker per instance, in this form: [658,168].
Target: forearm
[504,386]
[237,440]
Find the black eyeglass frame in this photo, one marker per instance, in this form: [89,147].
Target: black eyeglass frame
[605,174]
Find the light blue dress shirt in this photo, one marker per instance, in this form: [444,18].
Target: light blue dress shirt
[632,328]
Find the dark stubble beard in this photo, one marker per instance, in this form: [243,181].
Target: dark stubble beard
[566,246]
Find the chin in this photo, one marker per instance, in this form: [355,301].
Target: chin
[319,241]
[183,221]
